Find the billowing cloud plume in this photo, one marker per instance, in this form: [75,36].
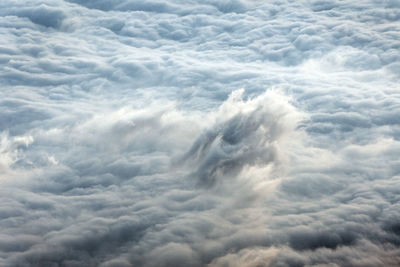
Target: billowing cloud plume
[199,133]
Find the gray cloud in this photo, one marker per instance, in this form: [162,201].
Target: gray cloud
[126,140]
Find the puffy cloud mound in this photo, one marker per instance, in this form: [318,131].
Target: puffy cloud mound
[144,196]
[126,139]
[246,135]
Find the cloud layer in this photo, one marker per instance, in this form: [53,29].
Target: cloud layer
[199,133]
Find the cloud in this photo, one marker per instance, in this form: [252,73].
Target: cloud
[125,139]
[247,136]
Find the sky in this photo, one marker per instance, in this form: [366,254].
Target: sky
[199,133]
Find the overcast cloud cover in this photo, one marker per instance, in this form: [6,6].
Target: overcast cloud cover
[199,133]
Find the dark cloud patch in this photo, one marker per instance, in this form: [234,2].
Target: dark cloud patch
[177,7]
[301,239]
[45,16]
[151,6]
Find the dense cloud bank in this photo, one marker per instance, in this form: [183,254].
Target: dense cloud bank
[199,133]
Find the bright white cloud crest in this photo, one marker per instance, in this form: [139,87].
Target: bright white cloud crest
[199,133]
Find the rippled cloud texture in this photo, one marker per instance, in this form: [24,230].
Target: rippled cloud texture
[199,133]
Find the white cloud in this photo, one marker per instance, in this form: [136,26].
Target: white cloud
[125,139]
